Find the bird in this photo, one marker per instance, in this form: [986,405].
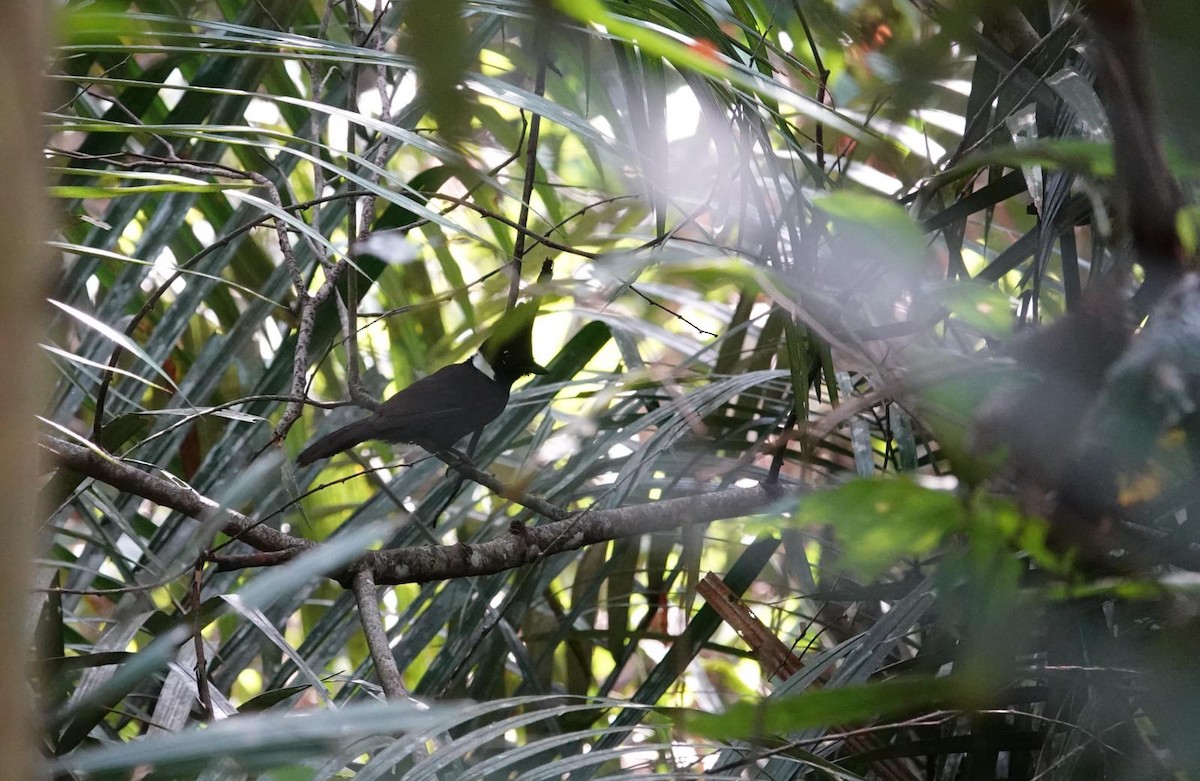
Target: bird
[437,411]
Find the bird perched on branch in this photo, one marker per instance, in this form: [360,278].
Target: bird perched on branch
[437,411]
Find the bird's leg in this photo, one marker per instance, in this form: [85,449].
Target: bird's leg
[454,454]
[473,445]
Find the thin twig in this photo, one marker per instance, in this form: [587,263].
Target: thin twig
[202,691]
[671,312]
[531,150]
[528,501]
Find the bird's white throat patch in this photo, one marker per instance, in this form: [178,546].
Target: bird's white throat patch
[480,363]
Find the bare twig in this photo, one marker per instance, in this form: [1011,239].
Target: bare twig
[236,561]
[531,150]
[471,472]
[522,230]
[672,312]
[202,691]
[178,497]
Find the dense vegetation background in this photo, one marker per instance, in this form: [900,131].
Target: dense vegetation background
[867,449]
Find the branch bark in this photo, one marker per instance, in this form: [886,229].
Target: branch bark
[424,563]
[377,639]
[525,545]
[180,498]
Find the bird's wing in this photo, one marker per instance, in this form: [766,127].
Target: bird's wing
[455,387]
[445,406]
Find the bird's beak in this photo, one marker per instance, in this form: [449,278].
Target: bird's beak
[535,368]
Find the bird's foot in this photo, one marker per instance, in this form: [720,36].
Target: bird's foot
[455,455]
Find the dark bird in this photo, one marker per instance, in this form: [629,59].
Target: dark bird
[437,411]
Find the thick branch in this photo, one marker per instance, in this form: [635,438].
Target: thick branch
[178,497]
[421,564]
[528,544]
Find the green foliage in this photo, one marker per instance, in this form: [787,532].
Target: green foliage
[826,708]
[438,43]
[984,309]
[881,522]
[779,244]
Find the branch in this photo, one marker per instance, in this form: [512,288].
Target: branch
[531,151]
[424,563]
[528,544]
[377,639]
[530,502]
[178,497]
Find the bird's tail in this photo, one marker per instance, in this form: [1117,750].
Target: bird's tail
[335,442]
